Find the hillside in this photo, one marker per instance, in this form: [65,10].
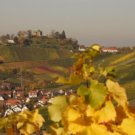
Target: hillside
[38,65]
[16,53]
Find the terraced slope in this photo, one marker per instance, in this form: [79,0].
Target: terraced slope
[16,53]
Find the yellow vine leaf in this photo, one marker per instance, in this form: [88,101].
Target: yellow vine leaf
[117,92]
[28,129]
[37,119]
[20,124]
[114,133]
[128,126]
[71,114]
[106,114]
[72,99]
[96,47]
[55,112]
[57,131]
[3,122]
[56,109]
[75,79]
[96,129]
[75,128]
[29,122]
[90,111]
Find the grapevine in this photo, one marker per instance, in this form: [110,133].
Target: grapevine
[100,106]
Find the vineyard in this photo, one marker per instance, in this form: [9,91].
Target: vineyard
[99,107]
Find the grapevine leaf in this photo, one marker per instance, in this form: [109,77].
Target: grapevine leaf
[3,122]
[90,111]
[20,124]
[75,79]
[128,126]
[96,129]
[91,69]
[55,112]
[56,109]
[96,47]
[57,131]
[97,94]
[117,92]
[28,122]
[37,119]
[87,70]
[72,99]
[60,100]
[106,114]
[75,128]
[71,114]
[28,129]
[82,90]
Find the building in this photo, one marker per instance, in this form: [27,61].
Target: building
[110,50]
[37,33]
[82,48]
[10,41]
[32,94]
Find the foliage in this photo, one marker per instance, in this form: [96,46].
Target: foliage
[25,122]
[100,106]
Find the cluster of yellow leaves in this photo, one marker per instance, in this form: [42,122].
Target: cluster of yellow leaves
[29,122]
[99,108]
[81,119]
[26,122]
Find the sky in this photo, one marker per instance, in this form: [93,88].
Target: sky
[107,22]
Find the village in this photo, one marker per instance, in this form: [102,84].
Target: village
[15,100]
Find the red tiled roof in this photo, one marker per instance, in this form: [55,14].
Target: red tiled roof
[12,101]
[5,92]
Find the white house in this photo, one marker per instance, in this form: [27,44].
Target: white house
[10,41]
[110,50]
[1,98]
[82,48]
[32,94]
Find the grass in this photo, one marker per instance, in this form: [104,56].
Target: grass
[16,53]
[130,90]
[124,58]
[105,60]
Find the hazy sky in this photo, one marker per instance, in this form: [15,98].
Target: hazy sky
[108,22]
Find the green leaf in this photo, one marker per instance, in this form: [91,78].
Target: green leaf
[82,90]
[98,93]
[56,109]
[55,113]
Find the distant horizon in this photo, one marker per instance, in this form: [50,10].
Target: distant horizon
[109,23]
